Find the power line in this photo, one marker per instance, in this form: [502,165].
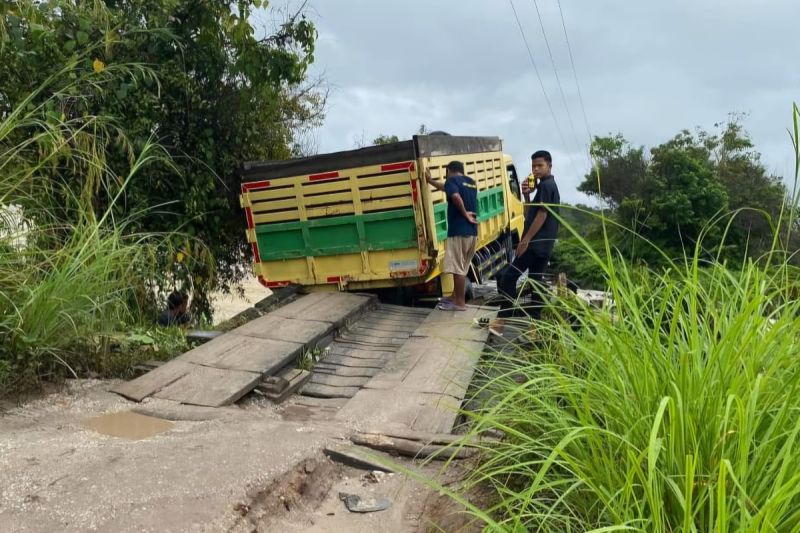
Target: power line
[575,73]
[538,75]
[558,78]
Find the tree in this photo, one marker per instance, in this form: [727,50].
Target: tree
[620,170]
[385,139]
[222,95]
[680,198]
[754,195]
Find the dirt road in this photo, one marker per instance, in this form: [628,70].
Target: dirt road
[243,468]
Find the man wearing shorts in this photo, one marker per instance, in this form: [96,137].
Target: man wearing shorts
[462,230]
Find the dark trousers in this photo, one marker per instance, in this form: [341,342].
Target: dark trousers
[535,263]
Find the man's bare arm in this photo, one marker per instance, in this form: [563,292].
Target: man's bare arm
[439,185]
[538,222]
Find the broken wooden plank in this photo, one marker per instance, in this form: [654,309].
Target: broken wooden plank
[152,382]
[430,438]
[412,448]
[212,387]
[341,370]
[296,379]
[357,457]
[326,391]
[334,380]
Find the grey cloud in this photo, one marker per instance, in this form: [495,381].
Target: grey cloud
[647,69]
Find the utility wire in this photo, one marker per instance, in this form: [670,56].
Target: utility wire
[558,78]
[575,74]
[538,75]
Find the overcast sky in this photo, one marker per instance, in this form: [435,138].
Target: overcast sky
[646,69]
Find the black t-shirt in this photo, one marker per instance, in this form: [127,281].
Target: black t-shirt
[546,194]
[457,224]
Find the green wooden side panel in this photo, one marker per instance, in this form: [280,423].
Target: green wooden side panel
[391,230]
[490,204]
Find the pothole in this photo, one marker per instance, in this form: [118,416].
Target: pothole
[295,494]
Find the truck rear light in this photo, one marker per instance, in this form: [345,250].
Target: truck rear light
[272,284]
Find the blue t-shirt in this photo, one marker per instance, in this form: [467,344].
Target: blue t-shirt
[457,224]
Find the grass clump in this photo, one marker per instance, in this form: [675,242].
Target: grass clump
[73,272]
[678,411]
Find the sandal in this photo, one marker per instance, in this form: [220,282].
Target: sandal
[449,306]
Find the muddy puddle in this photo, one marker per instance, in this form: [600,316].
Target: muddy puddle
[128,425]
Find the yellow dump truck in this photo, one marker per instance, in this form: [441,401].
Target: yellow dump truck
[367,219]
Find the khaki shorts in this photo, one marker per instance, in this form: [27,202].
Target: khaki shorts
[458,253]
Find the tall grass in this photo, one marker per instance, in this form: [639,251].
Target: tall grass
[68,272]
[679,411]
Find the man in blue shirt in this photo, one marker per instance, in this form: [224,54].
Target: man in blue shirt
[462,230]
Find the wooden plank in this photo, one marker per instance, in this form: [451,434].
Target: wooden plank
[400,310]
[398,366]
[367,340]
[437,416]
[357,457]
[448,370]
[370,407]
[335,380]
[334,308]
[412,448]
[155,380]
[341,370]
[251,354]
[456,330]
[325,391]
[301,305]
[430,438]
[380,334]
[353,362]
[285,329]
[359,352]
[391,316]
[208,386]
[388,326]
[297,378]
[453,324]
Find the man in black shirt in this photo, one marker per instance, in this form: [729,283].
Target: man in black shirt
[535,245]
